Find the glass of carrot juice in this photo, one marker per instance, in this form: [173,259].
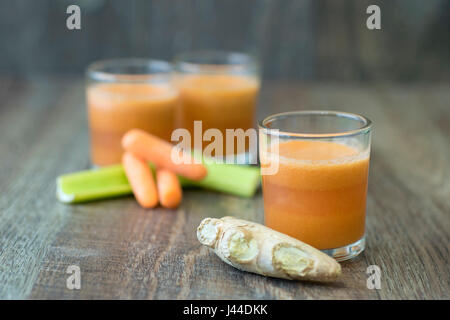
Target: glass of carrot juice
[220,89]
[123,94]
[315,168]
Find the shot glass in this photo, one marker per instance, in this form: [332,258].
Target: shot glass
[123,94]
[316,187]
[219,91]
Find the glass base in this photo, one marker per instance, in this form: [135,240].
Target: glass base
[347,252]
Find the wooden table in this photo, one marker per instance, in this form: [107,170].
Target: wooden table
[126,252]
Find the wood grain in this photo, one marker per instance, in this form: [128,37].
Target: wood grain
[126,252]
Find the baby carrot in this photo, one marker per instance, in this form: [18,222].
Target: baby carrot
[141,180]
[158,151]
[169,188]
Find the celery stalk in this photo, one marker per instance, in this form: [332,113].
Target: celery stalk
[111,181]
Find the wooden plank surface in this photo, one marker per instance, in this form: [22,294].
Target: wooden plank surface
[127,252]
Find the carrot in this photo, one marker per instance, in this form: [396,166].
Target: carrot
[158,151]
[169,188]
[141,180]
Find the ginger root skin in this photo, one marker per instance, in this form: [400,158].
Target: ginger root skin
[252,247]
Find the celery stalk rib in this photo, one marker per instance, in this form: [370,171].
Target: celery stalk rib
[111,182]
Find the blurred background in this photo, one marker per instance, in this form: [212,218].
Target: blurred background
[308,40]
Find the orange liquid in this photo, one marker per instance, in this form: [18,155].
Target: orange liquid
[319,193]
[113,109]
[219,101]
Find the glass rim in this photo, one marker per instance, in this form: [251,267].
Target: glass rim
[233,60]
[366,126]
[96,70]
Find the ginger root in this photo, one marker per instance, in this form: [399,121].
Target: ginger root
[252,247]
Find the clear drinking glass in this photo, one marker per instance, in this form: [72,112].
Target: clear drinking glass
[315,168]
[218,90]
[123,94]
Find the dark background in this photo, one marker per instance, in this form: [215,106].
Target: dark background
[310,40]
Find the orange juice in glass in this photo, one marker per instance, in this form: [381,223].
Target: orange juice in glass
[123,94]
[317,187]
[220,89]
